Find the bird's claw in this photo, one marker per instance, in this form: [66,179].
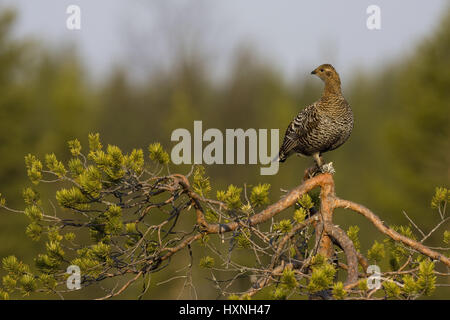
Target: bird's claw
[315,170]
[328,168]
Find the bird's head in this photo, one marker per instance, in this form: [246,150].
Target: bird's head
[327,73]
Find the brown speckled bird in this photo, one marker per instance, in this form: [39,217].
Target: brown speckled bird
[322,126]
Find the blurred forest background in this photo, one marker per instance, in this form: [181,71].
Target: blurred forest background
[398,153]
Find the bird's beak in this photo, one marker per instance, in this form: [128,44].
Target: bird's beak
[313,72]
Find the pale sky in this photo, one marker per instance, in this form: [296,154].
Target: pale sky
[295,35]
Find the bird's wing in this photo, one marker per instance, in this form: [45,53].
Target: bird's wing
[299,128]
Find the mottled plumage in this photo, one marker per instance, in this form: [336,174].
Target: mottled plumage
[322,126]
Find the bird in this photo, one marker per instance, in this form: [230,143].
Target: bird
[322,126]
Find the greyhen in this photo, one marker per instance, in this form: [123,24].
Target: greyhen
[322,126]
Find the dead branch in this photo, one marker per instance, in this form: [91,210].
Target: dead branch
[376,221]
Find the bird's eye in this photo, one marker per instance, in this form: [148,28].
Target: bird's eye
[321,70]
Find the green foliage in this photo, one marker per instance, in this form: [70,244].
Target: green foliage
[210,215]
[288,283]
[338,291]
[72,198]
[34,168]
[280,293]
[394,260]
[30,196]
[362,285]
[299,215]
[318,260]
[113,220]
[50,261]
[441,195]
[447,237]
[27,284]
[43,102]
[292,252]
[405,230]
[391,288]
[135,161]
[74,147]
[322,274]
[109,223]
[112,163]
[352,233]
[70,236]
[47,264]
[54,250]
[260,195]
[130,228]
[100,171]
[76,167]
[397,252]
[158,154]
[34,231]
[53,234]
[232,197]
[288,279]
[94,143]
[34,213]
[4,295]
[9,283]
[201,184]
[409,285]
[247,209]
[18,275]
[426,279]
[376,253]
[13,266]
[206,262]
[90,180]
[115,168]
[54,165]
[99,251]
[306,202]
[204,240]
[321,278]
[92,259]
[48,281]
[284,226]
[243,239]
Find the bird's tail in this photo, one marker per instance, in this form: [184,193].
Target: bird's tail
[276,159]
[279,158]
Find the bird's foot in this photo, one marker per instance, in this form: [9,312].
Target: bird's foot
[309,173]
[328,168]
[315,170]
